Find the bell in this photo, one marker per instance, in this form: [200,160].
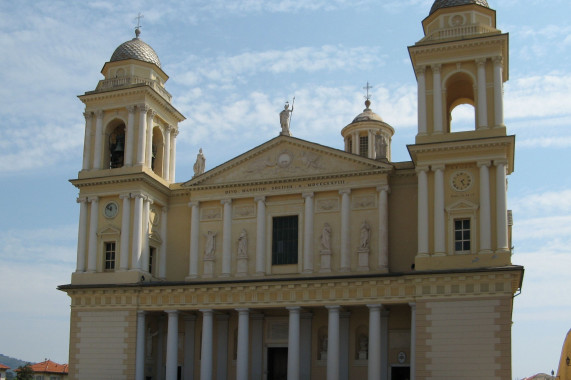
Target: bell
[119,146]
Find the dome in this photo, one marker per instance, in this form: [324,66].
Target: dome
[454,3]
[367,115]
[136,49]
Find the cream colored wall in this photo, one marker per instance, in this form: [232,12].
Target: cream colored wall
[484,350]
[103,344]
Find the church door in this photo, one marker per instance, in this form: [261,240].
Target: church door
[277,363]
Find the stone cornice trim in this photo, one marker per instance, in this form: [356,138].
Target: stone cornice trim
[444,46]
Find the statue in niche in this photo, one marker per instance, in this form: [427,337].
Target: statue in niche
[365,236]
[285,117]
[243,244]
[380,147]
[363,347]
[326,237]
[210,245]
[200,163]
[149,341]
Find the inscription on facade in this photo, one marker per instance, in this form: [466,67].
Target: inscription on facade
[301,187]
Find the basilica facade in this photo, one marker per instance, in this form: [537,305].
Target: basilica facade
[296,260]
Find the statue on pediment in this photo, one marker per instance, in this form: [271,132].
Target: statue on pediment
[200,163]
[285,118]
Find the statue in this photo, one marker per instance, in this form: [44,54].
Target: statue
[380,147]
[210,245]
[243,244]
[365,235]
[199,164]
[326,237]
[285,117]
[149,341]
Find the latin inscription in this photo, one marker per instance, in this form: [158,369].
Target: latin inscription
[265,189]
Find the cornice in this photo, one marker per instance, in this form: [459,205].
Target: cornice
[470,43]
[122,179]
[354,289]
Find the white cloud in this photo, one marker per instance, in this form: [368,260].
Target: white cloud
[545,203]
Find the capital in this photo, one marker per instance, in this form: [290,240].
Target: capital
[307,195]
[125,196]
[502,161]
[193,204]
[143,108]
[385,188]
[131,108]
[486,163]
[481,61]
[436,68]
[81,200]
[437,167]
[260,199]
[420,70]
[88,115]
[227,201]
[498,60]
[93,199]
[345,192]
[422,169]
[99,114]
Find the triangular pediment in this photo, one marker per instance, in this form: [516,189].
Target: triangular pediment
[287,158]
[462,205]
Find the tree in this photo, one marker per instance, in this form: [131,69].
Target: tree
[25,372]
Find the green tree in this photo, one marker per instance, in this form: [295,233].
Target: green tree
[25,372]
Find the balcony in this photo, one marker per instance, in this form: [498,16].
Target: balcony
[459,32]
[119,82]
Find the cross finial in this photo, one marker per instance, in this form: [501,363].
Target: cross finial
[368,87]
[138,28]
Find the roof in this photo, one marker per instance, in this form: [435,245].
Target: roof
[135,49]
[367,114]
[48,366]
[3,367]
[438,4]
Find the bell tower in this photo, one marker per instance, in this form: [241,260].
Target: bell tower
[128,167]
[462,203]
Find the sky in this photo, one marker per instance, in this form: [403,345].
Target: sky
[232,65]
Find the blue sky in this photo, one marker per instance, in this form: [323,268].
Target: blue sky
[232,65]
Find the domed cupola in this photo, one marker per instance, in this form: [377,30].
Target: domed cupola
[438,4]
[136,49]
[368,135]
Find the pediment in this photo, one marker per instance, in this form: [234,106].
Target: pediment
[462,205]
[109,231]
[286,158]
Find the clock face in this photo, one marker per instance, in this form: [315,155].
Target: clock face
[111,209]
[461,181]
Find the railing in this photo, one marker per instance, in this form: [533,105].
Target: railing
[114,83]
[459,31]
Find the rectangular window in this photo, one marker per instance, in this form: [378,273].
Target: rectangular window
[462,235]
[152,258]
[110,256]
[284,240]
[364,146]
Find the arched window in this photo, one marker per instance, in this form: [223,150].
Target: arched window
[460,102]
[157,151]
[115,149]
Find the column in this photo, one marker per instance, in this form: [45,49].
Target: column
[163,254]
[344,345]
[498,92]
[261,236]
[256,371]
[172,160]
[243,344]
[422,112]
[333,343]
[305,346]
[146,249]
[206,348]
[227,238]
[188,355]
[356,145]
[125,231]
[412,341]
[136,244]
[482,105]
[308,234]
[159,368]
[384,344]
[222,346]
[383,227]
[437,99]
[167,153]
[501,206]
[371,144]
[87,140]
[143,109]
[345,264]
[93,222]
[485,208]
[98,140]
[172,345]
[422,211]
[129,143]
[81,234]
[149,139]
[374,359]
[194,239]
[439,217]
[293,341]
[140,350]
